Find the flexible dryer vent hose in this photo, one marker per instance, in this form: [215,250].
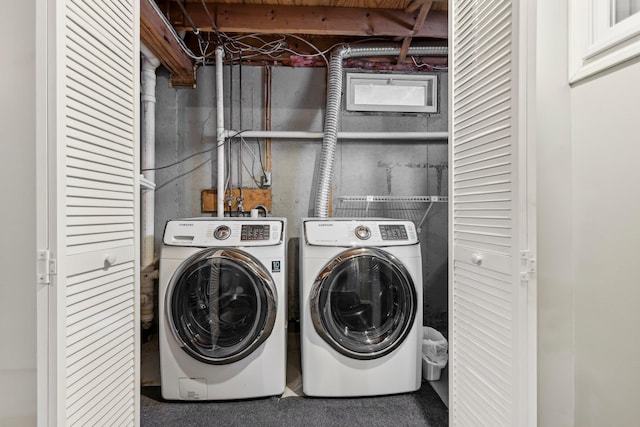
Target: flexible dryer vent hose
[332,113]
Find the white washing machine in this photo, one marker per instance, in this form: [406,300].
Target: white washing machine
[222,298]
[361,305]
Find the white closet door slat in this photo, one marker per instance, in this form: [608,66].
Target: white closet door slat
[98,239]
[83,133]
[98,220]
[486,207]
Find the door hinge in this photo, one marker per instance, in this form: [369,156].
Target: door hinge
[46,267]
[528,265]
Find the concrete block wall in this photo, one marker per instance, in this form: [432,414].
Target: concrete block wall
[186,125]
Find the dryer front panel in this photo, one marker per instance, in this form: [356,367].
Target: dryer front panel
[363,303]
[221,305]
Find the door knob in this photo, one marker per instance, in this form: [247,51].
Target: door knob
[476,259]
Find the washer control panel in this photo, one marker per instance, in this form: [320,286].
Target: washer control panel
[393,232]
[255,232]
[206,232]
[359,232]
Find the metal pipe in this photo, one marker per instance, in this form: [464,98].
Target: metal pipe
[341,135]
[220,133]
[332,116]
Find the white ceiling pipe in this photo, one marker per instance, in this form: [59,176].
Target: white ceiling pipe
[341,135]
[220,132]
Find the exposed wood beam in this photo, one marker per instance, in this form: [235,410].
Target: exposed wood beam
[342,21]
[155,34]
[420,20]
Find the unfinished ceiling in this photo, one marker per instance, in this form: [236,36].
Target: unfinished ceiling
[287,32]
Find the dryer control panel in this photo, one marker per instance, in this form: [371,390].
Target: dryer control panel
[212,232]
[355,232]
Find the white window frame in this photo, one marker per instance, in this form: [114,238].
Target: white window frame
[428,82]
[595,44]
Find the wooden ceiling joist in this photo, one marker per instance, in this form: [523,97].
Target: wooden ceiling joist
[316,20]
[425,8]
[155,34]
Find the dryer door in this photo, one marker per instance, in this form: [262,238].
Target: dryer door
[221,305]
[363,303]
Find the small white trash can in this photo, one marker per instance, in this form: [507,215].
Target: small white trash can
[435,353]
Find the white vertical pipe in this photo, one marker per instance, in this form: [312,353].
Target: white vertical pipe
[220,131]
[147,199]
[148,153]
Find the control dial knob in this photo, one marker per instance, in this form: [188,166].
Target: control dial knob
[222,232]
[362,232]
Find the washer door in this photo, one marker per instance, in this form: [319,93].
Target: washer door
[221,305]
[363,303]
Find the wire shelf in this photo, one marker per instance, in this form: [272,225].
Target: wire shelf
[412,208]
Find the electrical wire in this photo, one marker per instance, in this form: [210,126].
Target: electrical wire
[179,161]
[258,159]
[196,30]
[251,174]
[431,67]
[237,49]
[236,46]
[181,42]
[192,155]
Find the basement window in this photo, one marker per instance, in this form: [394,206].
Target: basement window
[392,92]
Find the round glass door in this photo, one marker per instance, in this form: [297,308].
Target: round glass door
[221,305]
[363,303]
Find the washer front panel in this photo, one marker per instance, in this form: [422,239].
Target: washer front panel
[363,303]
[359,232]
[212,232]
[221,305]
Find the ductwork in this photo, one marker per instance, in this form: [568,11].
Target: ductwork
[332,113]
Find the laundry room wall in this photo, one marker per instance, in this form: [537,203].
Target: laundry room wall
[186,125]
[18,289]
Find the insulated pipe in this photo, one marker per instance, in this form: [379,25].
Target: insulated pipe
[341,135]
[147,199]
[332,116]
[220,133]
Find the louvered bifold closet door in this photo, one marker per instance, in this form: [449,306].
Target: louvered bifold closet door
[97,138]
[486,305]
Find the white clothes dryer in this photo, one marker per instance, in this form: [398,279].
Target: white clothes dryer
[222,298]
[361,305]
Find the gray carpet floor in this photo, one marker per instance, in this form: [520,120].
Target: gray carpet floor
[422,408]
